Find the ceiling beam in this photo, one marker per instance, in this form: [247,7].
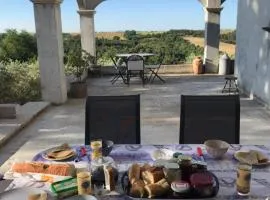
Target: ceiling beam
[204,2]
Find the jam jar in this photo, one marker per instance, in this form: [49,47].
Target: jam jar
[185,166]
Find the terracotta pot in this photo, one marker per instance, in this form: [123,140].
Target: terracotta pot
[78,90]
[197,65]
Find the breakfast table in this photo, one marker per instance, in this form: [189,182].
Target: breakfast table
[224,168]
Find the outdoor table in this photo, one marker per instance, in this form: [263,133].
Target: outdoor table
[126,55]
[224,169]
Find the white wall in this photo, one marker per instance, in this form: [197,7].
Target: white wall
[253,48]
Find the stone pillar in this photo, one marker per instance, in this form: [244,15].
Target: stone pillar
[88,36]
[212,10]
[50,50]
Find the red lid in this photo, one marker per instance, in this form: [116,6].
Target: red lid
[201,179]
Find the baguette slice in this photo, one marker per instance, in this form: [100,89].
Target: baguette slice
[157,190]
[134,173]
[137,191]
[151,176]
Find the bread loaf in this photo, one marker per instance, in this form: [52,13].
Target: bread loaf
[134,173]
[62,169]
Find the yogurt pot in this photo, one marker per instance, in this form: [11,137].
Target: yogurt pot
[180,187]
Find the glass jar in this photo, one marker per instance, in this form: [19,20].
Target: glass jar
[185,166]
[97,168]
[84,182]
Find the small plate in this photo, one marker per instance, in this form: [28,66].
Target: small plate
[164,154]
[22,193]
[82,197]
[240,159]
[44,155]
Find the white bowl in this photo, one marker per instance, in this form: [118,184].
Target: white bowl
[216,148]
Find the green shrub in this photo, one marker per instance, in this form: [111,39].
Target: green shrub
[20,82]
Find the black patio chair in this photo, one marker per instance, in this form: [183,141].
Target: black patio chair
[154,69]
[115,118]
[135,65]
[210,117]
[120,70]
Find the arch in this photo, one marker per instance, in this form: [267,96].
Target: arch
[50,43]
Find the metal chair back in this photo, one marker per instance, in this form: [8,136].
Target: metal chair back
[210,117]
[135,63]
[115,118]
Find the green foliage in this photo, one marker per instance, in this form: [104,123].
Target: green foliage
[78,61]
[116,37]
[130,35]
[229,37]
[17,46]
[21,82]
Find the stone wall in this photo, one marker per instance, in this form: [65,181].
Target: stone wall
[253,48]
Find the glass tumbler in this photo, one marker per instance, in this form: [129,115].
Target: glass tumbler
[243,179]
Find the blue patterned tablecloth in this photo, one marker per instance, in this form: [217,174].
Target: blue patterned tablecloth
[224,169]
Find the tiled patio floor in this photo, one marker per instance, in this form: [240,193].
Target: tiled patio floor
[160,111]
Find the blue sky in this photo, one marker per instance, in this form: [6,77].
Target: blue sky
[119,15]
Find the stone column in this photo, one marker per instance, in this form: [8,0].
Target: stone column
[50,50]
[212,9]
[88,36]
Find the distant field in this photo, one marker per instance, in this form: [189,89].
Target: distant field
[110,35]
[224,47]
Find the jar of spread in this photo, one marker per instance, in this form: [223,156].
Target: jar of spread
[180,187]
[172,172]
[202,183]
[185,166]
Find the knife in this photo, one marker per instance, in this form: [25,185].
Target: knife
[200,153]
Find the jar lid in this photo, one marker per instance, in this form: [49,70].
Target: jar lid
[185,158]
[171,165]
[84,174]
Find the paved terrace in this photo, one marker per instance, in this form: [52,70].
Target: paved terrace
[160,111]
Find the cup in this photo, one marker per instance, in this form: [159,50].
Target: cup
[243,179]
[84,182]
[96,146]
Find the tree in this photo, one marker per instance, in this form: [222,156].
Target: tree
[130,35]
[116,37]
[18,46]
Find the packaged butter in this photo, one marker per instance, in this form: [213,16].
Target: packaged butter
[65,188]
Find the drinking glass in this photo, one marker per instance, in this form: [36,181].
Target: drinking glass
[96,147]
[84,181]
[243,179]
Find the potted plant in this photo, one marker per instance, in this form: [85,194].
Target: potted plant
[78,62]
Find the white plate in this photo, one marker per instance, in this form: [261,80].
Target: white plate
[82,197]
[164,154]
[44,155]
[254,164]
[21,194]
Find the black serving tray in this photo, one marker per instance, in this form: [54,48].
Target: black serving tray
[192,194]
